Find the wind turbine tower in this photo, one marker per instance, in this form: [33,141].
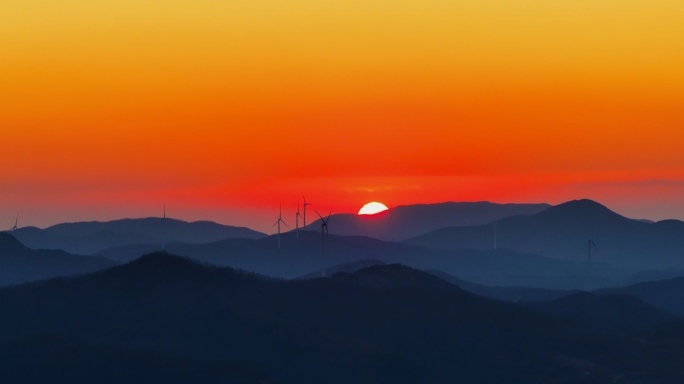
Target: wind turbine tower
[324,223]
[590,244]
[305,204]
[16,222]
[280,220]
[297,216]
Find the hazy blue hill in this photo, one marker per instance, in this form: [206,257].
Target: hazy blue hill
[666,295]
[514,294]
[393,276]
[19,264]
[300,256]
[607,313]
[381,324]
[407,221]
[652,275]
[563,231]
[92,237]
[349,267]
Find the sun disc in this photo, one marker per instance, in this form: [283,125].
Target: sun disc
[372,208]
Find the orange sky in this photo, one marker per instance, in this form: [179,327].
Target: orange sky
[223,109]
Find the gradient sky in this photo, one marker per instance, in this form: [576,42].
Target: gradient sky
[222,109]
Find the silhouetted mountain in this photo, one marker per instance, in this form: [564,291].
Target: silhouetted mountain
[514,294]
[407,221]
[652,275]
[380,324]
[41,359]
[91,237]
[19,264]
[563,231]
[350,267]
[607,313]
[665,294]
[393,276]
[300,256]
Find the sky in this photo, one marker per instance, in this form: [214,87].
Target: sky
[222,110]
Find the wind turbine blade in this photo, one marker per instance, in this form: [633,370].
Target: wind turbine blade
[284,223]
[329,215]
[319,215]
[276,223]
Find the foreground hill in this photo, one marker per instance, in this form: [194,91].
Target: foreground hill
[91,237]
[19,264]
[607,313]
[381,324]
[563,231]
[308,253]
[407,221]
[665,294]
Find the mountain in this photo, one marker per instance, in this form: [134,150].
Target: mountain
[407,221]
[665,294]
[300,256]
[378,325]
[606,313]
[91,237]
[19,264]
[349,267]
[563,231]
[514,294]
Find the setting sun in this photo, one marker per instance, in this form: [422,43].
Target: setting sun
[372,208]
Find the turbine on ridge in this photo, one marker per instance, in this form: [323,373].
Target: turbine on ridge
[324,222]
[305,204]
[590,244]
[16,222]
[280,220]
[297,216]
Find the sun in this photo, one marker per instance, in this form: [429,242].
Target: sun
[372,208]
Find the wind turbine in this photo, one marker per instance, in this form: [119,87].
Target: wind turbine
[305,204]
[297,216]
[324,222]
[590,244]
[16,221]
[280,220]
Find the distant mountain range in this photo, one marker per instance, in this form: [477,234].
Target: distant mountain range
[563,232]
[650,303]
[87,238]
[407,221]
[164,316]
[504,293]
[308,253]
[19,264]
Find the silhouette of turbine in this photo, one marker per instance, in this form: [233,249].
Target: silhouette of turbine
[590,244]
[305,204]
[16,222]
[280,220]
[297,216]
[324,223]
